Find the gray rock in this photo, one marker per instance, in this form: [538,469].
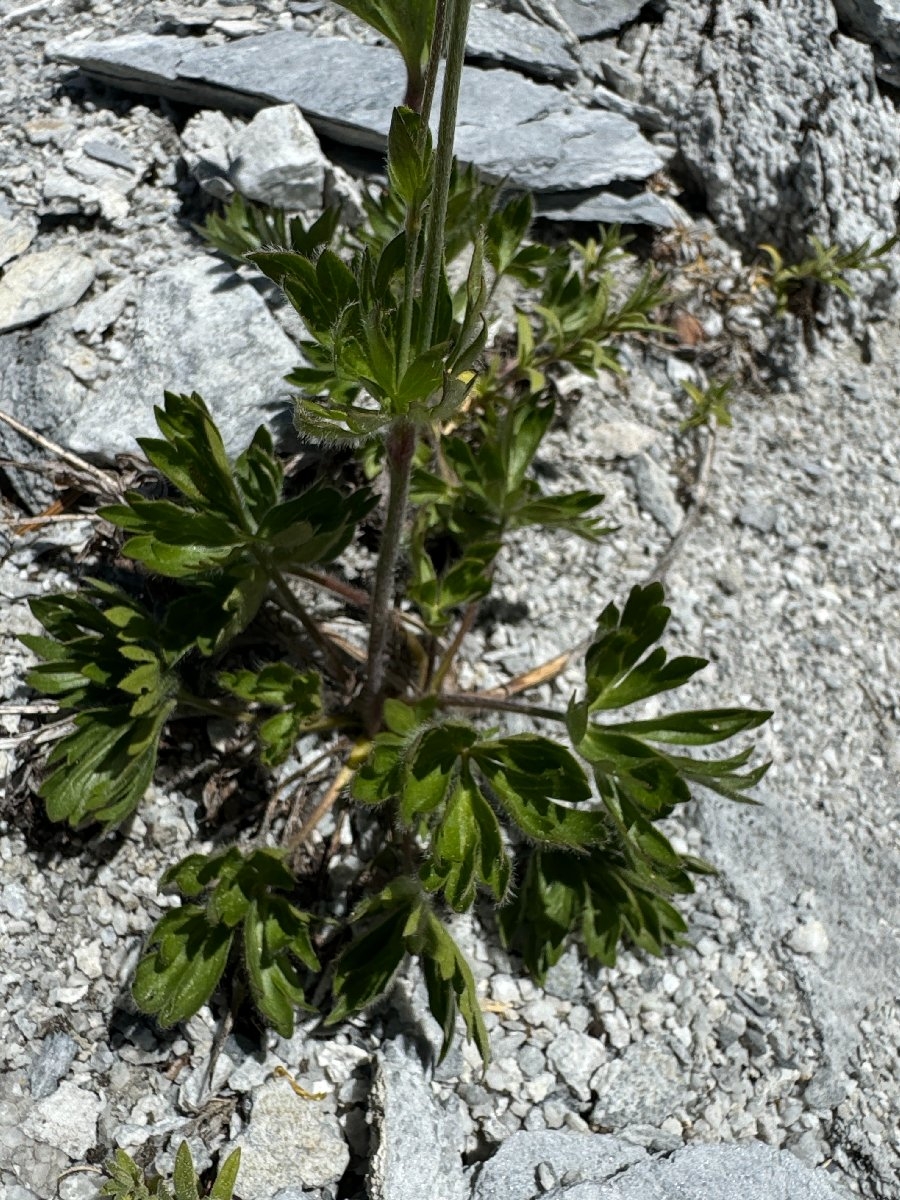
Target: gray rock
[644,115]
[750,1171]
[16,235]
[205,141]
[607,208]
[111,153]
[197,328]
[50,1064]
[418,1150]
[779,123]
[655,494]
[99,313]
[809,937]
[770,854]
[66,1120]
[42,283]
[512,1174]
[623,439]
[14,901]
[588,18]
[575,1057]
[512,40]
[565,978]
[640,1088]
[509,127]
[276,159]
[875,21]
[761,517]
[168,347]
[289,1142]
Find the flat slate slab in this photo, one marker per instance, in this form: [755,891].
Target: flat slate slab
[512,40]
[510,127]
[588,18]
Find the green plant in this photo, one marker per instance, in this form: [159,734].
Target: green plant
[126,1180]
[562,833]
[712,404]
[827,266]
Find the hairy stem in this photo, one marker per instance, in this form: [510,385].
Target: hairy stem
[490,704]
[401,444]
[353,595]
[434,58]
[458,22]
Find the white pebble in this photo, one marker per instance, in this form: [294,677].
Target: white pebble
[809,938]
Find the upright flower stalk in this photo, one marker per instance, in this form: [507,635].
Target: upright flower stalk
[457,25]
[452,22]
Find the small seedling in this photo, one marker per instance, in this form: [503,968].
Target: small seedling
[827,267]
[126,1180]
[712,404]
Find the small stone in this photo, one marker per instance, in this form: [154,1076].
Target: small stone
[655,493]
[276,159]
[205,142]
[110,153]
[14,901]
[84,364]
[67,1120]
[641,1087]
[761,517]
[575,1057]
[42,283]
[98,314]
[810,937]
[546,1177]
[89,959]
[565,978]
[41,130]
[623,439]
[615,1023]
[15,238]
[288,1141]
[78,1187]
[53,1060]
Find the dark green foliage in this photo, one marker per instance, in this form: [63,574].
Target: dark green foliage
[241,918]
[490,492]
[623,890]
[399,921]
[229,519]
[297,694]
[107,658]
[244,227]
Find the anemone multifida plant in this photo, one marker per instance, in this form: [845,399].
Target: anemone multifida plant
[562,833]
